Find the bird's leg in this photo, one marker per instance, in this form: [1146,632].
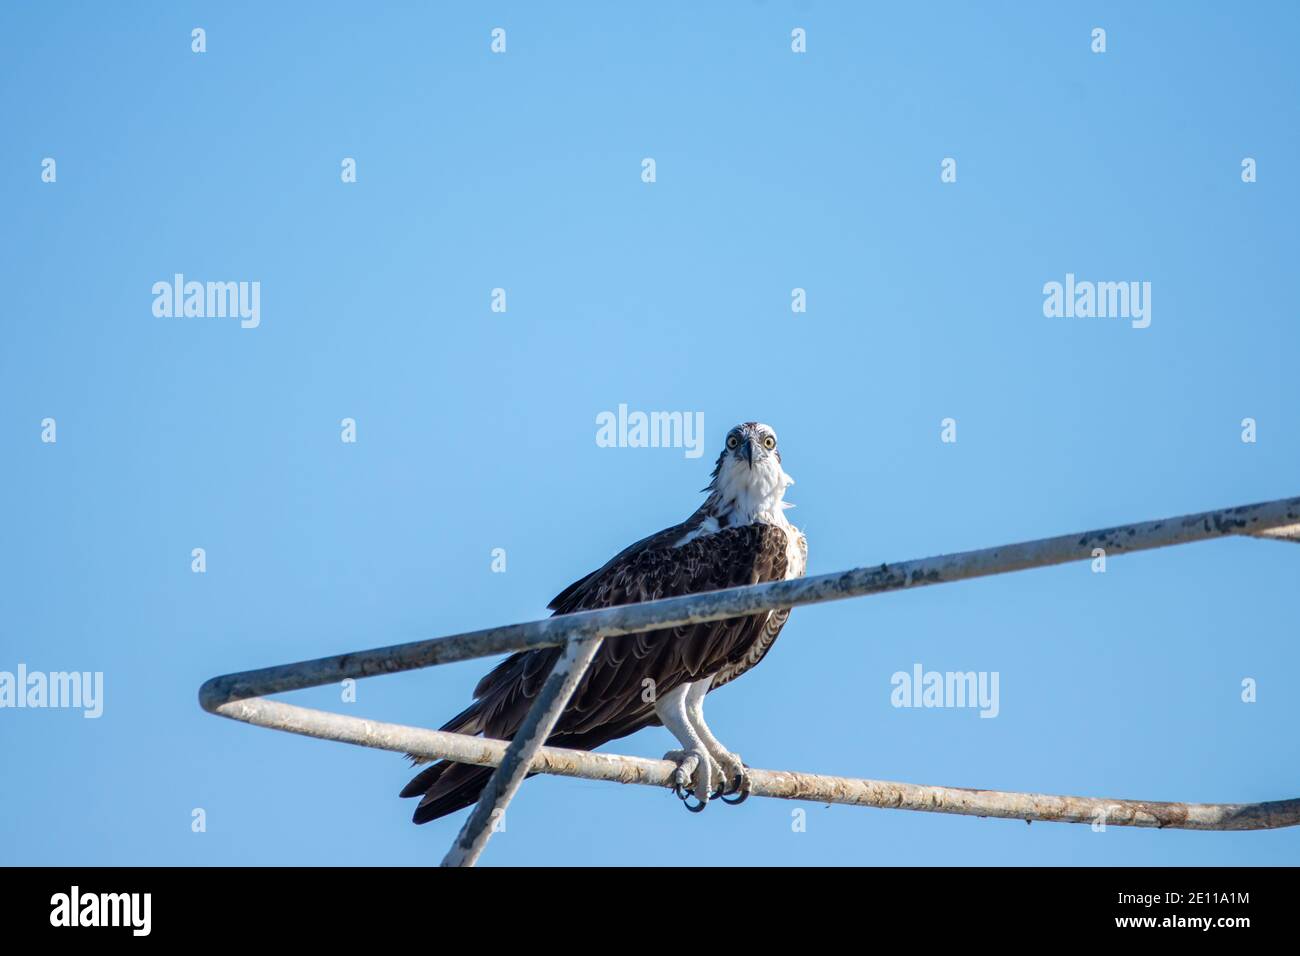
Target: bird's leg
[735,777]
[694,764]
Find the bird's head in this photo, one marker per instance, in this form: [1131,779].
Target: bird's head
[748,479]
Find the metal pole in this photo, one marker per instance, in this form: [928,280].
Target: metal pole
[551,700]
[781,784]
[716,605]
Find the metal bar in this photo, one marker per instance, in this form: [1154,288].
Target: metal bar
[1290,532]
[716,605]
[551,700]
[781,784]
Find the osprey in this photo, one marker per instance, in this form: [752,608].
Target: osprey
[738,536]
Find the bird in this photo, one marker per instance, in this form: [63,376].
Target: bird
[738,536]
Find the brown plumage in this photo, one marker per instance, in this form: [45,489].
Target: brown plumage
[610,702]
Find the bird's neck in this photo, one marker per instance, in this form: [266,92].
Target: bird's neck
[751,496]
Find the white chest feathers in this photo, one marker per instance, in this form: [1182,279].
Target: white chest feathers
[745,494]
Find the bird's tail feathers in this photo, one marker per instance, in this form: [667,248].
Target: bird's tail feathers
[468,721]
[445,787]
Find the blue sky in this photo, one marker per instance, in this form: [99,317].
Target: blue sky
[476,429]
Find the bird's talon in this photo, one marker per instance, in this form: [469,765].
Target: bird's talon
[697,806]
[737,787]
[736,797]
[693,766]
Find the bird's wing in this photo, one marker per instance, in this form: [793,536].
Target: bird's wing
[766,637]
[614,697]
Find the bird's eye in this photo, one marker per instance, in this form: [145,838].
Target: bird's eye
[769,442]
[732,441]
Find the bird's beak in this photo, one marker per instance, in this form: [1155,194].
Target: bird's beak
[748,449]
